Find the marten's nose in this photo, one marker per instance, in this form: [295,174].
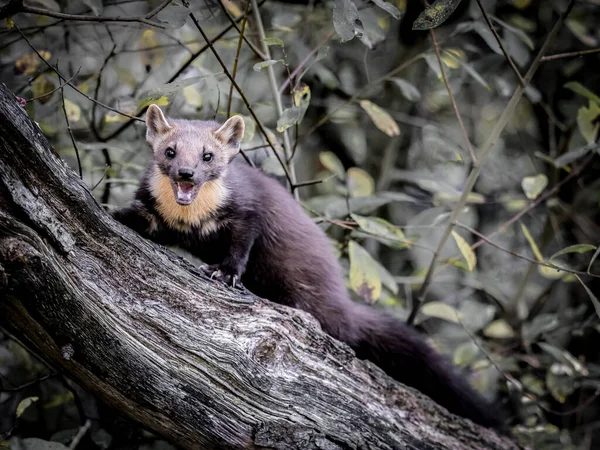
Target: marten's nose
[186,174]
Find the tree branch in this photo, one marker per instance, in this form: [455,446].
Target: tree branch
[16,6]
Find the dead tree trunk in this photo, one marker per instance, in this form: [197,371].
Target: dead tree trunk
[201,364]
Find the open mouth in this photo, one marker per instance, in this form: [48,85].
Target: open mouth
[184,192]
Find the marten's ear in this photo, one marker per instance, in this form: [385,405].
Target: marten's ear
[231,134]
[156,124]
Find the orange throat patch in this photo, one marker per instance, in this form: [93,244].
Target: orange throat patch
[211,196]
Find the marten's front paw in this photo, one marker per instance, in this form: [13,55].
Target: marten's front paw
[221,273]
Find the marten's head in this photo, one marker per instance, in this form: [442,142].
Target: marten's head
[191,153]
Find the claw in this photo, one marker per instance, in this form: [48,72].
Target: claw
[234,280]
[216,273]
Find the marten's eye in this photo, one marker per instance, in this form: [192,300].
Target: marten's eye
[170,153]
[207,157]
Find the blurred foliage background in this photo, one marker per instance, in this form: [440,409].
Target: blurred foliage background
[354,98]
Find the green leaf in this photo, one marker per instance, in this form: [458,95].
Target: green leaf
[388,8]
[588,121]
[409,91]
[580,30]
[499,329]
[465,354]
[332,163]
[360,183]
[379,227]
[272,40]
[574,155]
[24,404]
[596,254]
[578,248]
[364,278]
[380,118]
[268,63]
[465,250]
[289,117]
[590,294]
[533,186]
[565,357]
[578,88]
[441,311]
[386,277]
[345,20]
[435,14]
[518,32]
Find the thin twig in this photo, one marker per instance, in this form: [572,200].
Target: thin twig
[312,182]
[82,430]
[55,89]
[452,100]
[305,61]
[85,18]
[287,146]
[28,384]
[487,148]
[237,53]
[64,108]
[99,83]
[517,255]
[499,41]
[244,99]
[570,54]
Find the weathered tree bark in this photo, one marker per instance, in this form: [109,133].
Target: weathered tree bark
[201,364]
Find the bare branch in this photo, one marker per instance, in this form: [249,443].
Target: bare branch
[16,7]
[452,100]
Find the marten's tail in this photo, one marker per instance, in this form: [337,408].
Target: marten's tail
[403,354]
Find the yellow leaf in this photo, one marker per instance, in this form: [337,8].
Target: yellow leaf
[521,4]
[466,251]
[9,22]
[364,278]
[588,121]
[360,183]
[380,118]
[192,96]
[40,87]
[28,64]
[59,399]
[452,57]
[533,186]
[441,311]
[532,244]
[24,404]
[499,329]
[332,163]
[73,111]
[154,56]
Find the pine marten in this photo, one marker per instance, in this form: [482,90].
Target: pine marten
[246,227]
